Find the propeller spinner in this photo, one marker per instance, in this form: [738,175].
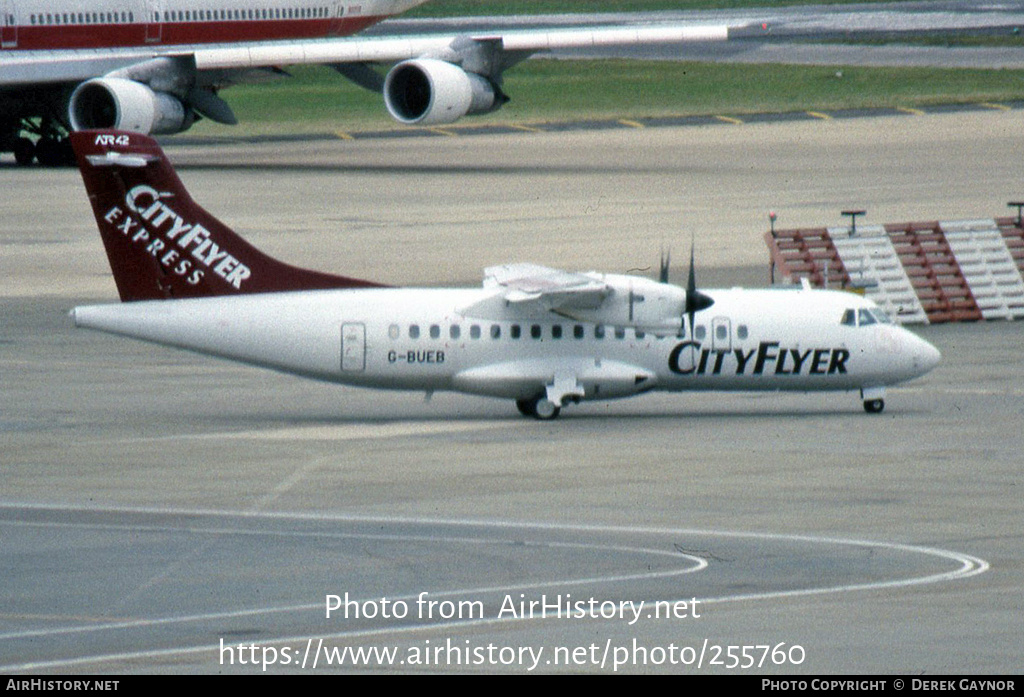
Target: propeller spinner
[695,300]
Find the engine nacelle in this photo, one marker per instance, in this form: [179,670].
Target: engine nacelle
[637,302]
[113,102]
[426,91]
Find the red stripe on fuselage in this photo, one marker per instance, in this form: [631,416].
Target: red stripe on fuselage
[79,36]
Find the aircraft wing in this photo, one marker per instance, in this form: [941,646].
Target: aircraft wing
[158,89]
[26,67]
[551,288]
[445,47]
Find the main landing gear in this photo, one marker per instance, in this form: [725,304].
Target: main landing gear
[52,148]
[540,408]
[547,405]
[50,152]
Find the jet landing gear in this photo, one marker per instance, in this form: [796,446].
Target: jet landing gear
[51,149]
[540,408]
[24,151]
[873,399]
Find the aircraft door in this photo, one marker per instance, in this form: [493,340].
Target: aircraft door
[8,25]
[153,11]
[721,334]
[334,28]
[353,347]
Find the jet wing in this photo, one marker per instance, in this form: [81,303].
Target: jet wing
[391,49]
[49,67]
[69,65]
[161,89]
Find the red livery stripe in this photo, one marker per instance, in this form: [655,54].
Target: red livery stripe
[129,34]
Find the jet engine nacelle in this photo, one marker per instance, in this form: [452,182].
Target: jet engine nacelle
[426,91]
[113,102]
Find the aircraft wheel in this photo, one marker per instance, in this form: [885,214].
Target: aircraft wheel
[538,408]
[48,152]
[55,153]
[545,410]
[24,152]
[527,407]
[874,406]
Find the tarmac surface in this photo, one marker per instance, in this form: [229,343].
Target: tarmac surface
[165,512]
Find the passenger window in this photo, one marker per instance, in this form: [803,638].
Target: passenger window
[598,331]
[414,331]
[435,331]
[495,331]
[721,332]
[534,331]
[866,318]
[741,332]
[639,334]
[516,331]
[700,332]
[849,319]
[474,331]
[455,331]
[556,331]
[620,333]
[578,331]
[393,332]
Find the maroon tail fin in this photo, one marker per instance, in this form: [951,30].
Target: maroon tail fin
[161,243]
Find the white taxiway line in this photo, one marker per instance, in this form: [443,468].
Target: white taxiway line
[969,566]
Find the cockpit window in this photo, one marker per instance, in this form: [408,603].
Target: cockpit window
[881,316]
[864,316]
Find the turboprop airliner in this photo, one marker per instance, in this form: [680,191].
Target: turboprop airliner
[538,336]
[156,66]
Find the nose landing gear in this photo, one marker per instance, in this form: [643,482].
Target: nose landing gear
[874,406]
[874,399]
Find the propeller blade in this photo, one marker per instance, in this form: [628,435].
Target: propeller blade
[695,300]
[666,260]
[691,280]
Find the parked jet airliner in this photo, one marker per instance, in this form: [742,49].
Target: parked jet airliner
[535,335]
[155,66]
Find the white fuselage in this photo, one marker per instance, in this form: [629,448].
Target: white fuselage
[419,339]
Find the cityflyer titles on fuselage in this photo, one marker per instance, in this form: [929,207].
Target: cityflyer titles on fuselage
[688,358]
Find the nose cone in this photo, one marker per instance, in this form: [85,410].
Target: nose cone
[924,355]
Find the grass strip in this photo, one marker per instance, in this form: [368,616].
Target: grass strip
[317,99]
